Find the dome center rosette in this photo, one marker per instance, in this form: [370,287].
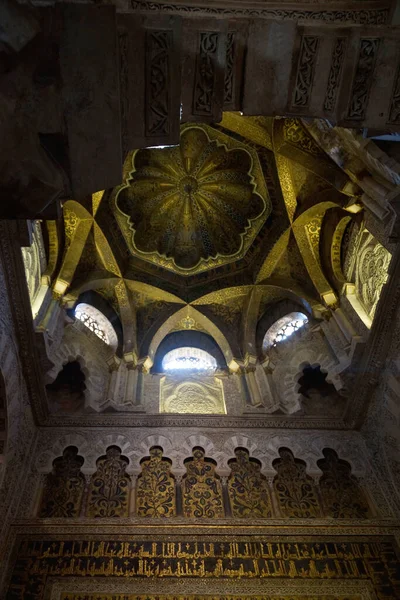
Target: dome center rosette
[195,206]
[188,185]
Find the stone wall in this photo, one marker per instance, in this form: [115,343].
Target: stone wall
[20,432]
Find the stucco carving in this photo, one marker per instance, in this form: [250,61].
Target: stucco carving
[305,347]
[362,589]
[191,394]
[374,16]
[177,444]
[34,258]
[92,358]
[381,427]
[20,426]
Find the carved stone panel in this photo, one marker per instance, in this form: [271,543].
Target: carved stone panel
[155,486]
[234,66]
[150,80]
[367,55]
[318,62]
[201,487]
[64,487]
[305,71]
[109,486]
[192,394]
[248,491]
[341,493]
[395,102]
[369,269]
[380,109]
[294,489]
[203,69]
[335,74]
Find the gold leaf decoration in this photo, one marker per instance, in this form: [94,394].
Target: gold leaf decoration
[155,488]
[295,133]
[247,488]
[109,486]
[195,205]
[294,489]
[201,487]
[341,494]
[63,492]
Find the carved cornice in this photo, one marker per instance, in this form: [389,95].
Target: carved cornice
[370,14]
[124,420]
[223,528]
[262,588]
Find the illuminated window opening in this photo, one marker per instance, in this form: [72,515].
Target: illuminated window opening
[283,329]
[94,320]
[188,359]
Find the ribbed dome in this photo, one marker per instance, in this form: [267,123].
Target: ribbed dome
[192,202]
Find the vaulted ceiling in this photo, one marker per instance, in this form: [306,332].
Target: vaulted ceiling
[246,204]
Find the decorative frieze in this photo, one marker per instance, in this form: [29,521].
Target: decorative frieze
[202,492]
[372,16]
[210,559]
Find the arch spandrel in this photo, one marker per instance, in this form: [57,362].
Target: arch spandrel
[226,313]
[153,307]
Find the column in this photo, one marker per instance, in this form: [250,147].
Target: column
[140,385]
[243,387]
[131,384]
[254,390]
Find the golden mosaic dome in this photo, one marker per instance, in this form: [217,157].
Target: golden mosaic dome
[194,206]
